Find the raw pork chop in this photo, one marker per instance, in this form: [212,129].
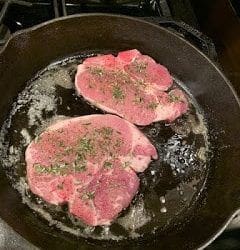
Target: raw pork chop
[130,85]
[90,163]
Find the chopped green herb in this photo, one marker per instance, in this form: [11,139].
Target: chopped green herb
[106,131]
[39,168]
[121,74]
[152,105]
[88,195]
[140,82]
[140,66]
[68,150]
[85,145]
[126,164]
[61,144]
[174,98]
[58,156]
[107,164]
[80,167]
[138,100]
[118,143]
[80,157]
[91,195]
[96,71]
[111,153]
[59,169]
[118,93]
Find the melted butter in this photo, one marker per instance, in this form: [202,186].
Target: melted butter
[169,188]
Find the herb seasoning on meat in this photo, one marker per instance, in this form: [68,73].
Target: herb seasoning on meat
[127,85]
[87,164]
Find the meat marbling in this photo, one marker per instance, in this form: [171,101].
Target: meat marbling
[90,162]
[130,85]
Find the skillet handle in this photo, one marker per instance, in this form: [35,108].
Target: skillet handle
[194,36]
[186,31]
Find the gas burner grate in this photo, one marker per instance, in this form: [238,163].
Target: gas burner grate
[18,14]
[4,30]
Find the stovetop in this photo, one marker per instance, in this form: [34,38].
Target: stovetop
[176,15]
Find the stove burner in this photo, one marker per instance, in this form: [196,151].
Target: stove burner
[59,8]
[161,7]
[157,11]
[4,31]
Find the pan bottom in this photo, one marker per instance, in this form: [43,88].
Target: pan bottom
[170,188]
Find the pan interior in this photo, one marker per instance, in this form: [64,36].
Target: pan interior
[170,188]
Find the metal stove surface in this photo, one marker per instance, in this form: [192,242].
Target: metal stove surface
[177,15]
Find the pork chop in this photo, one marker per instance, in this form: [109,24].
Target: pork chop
[89,162]
[130,85]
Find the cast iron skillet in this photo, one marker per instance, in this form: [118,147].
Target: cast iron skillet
[33,49]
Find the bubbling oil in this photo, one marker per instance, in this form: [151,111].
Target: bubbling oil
[170,187]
